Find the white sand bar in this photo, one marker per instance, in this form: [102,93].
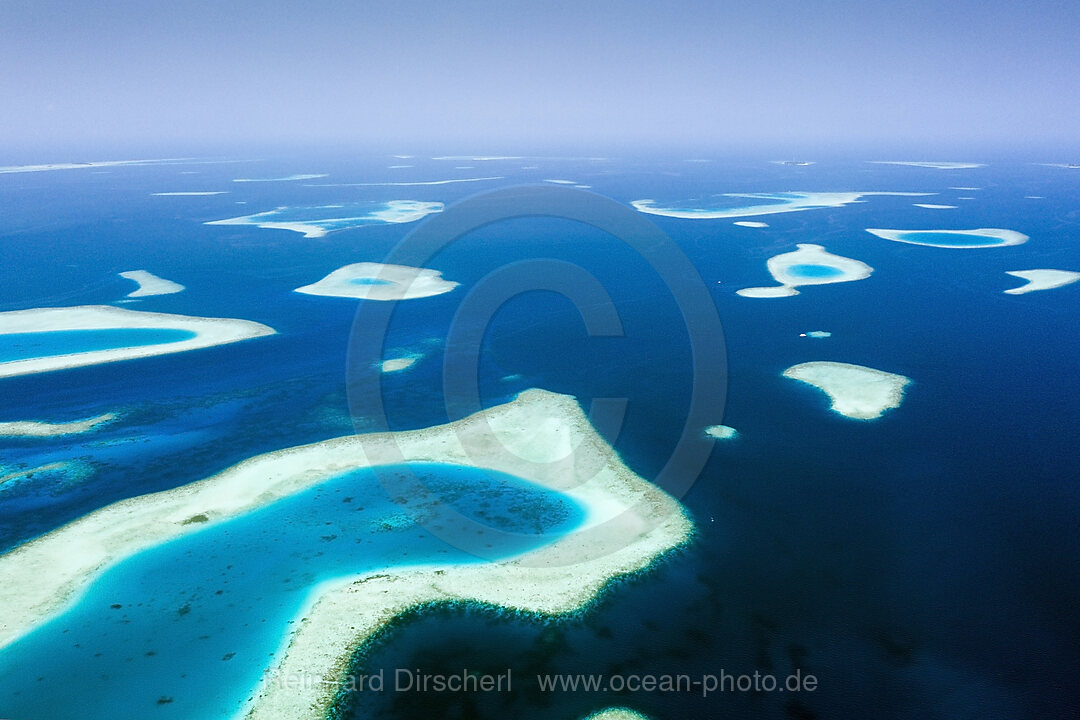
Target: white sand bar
[783,202]
[616,713]
[208,333]
[856,391]
[83,165]
[789,269]
[750,224]
[190,193]
[1042,280]
[398,364]
[287,178]
[931,206]
[542,437]
[30,428]
[318,221]
[379,281]
[932,165]
[404,184]
[981,237]
[150,284]
[722,432]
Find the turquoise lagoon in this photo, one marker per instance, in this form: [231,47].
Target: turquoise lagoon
[814,271]
[25,346]
[930,237]
[188,628]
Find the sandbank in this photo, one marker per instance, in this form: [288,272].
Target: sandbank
[818,334]
[208,333]
[616,713]
[932,165]
[31,428]
[541,436]
[993,237]
[190,193]
[750,224]
[399,363]
[399,184]
[1041,280]
[856,391]
[83,165]
[931,206]
[379,281]
[782,203]
[722,432]
[287,178]
[370,213]
[784,268]
[150,284]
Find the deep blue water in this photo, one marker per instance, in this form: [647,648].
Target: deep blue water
[921,565]
[23,346]
[814,271]
[197,620]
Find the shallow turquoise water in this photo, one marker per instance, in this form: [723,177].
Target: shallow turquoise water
[814,271]
[23,346]
[186,629]
[369,281]
[951,239]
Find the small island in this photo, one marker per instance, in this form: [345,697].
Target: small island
[379,281]
[1041,280]
[808,265]
[37,429]
[150,284]
[977,238]
[856,391]
[47,339]
[541,437]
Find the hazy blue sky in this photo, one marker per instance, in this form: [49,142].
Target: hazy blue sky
[489,74]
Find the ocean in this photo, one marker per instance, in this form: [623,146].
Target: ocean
[921,564]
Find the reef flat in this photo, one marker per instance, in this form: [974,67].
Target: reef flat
[1041,280]
[540,436]
[977,238]
[856,391]
[380,281]
[782,202]
[810,264]
[73,336]
[150,284]
[33,428]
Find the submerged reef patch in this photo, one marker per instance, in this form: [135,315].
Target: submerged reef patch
[808,265]
[46,339]
[773,203]
[379,281]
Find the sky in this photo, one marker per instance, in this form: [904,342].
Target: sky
[487,75]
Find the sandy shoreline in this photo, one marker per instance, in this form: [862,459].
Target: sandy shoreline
[782,203]
[808,254]
[1043,279]
[390,212]
[1003,237]
[541,436]
[856,391]
[150,284]
[33,428]
[208,333]
[380,281]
